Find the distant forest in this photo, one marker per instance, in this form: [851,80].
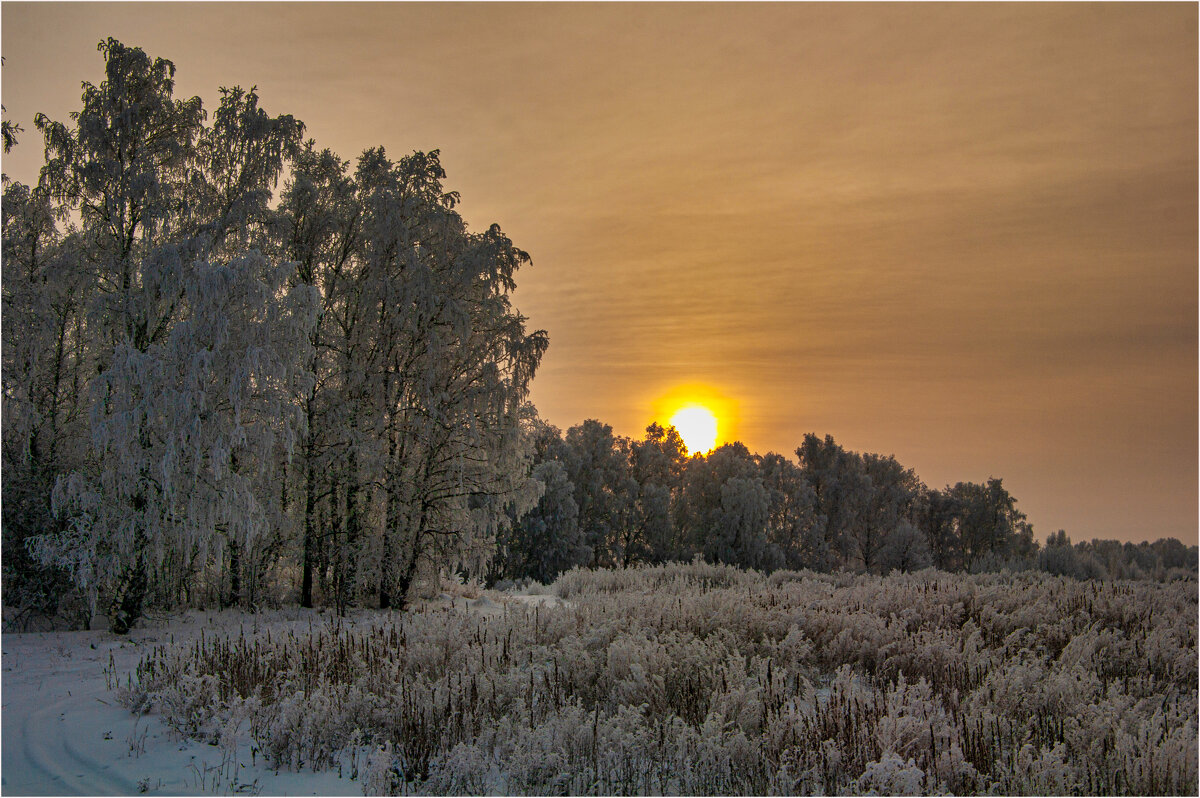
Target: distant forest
[610,501]
[240,370]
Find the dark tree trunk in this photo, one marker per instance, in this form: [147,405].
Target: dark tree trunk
[405,580]
[235,574]
[348,559]
[309,554]
[310,511]
[126,607]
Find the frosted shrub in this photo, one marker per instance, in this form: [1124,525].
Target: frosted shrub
[891,775]
[189,704]
[911,716]
[639,667]
[1043,772]
[674,578]
[701,679]
[383,775]
[467,770]
[303,729]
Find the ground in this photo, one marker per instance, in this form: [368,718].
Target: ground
[692,679]
[64,732]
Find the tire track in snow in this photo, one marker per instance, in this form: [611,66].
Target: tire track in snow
[50,743]
[53,737]
[63,732]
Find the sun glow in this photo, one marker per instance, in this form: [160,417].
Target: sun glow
[698,427]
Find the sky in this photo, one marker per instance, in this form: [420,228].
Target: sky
[964,235]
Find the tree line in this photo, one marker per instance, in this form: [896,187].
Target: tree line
[610,501]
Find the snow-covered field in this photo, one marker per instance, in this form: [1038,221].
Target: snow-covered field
[682,679]
[64,732]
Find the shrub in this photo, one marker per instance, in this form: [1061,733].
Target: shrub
[703,679]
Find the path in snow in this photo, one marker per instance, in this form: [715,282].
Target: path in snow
[52,711]
[63,732]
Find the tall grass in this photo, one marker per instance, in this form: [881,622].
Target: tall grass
[702,679]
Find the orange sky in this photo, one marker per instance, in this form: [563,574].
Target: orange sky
[965,235]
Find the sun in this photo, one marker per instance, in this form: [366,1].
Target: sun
[698,427]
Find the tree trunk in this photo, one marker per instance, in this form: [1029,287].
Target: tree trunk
[385,599]
[235,574]
[310,508]
[126,607]
[390,524]
[348,586]
[406,578]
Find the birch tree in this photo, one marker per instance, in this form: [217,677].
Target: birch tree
[46,362]
[186,440]
[339,381]
[446,367]
[195,344]
[318,227]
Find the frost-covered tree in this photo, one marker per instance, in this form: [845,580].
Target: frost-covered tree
[318,227]
[239,159]
[837,480]
[890,497]
[939,518]
[657,463]
[195,337]
[906,550]
[738,531]
[125,165]
[794,528]
[1173,554]
[187,438]
[338,381]
[1060,558]
[46,363]
[547,540]
[863,497]
[8,132]
[726,507]
[442,367]
[989,523]
[597,463]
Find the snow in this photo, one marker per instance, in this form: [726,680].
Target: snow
[64,733]
[680,679]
